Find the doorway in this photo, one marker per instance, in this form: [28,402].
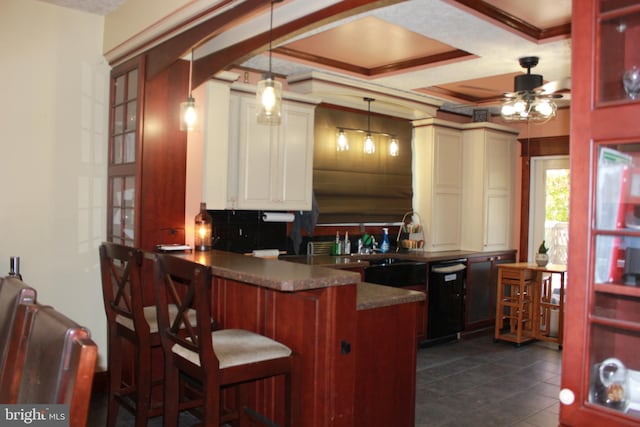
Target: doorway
[549,201]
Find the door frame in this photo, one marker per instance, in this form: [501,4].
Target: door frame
[539,167]
[534,147]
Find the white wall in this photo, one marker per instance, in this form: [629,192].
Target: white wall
[53,134]
[136,16]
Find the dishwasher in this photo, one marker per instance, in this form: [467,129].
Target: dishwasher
[446,289]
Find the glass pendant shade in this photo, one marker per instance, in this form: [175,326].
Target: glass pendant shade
[343,143]
[188,114]
[394,147]
[369,146]
[269,96]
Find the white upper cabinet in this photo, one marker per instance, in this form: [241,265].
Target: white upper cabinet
[437,182]
[250,166]
[463,184]
[275,163]
[489,160]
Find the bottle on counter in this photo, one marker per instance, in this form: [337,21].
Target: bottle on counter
[203,227]
[14,267]
[337,245]
[346,247]
[384,246]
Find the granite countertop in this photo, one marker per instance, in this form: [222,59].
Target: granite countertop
[271,273]
[375,296]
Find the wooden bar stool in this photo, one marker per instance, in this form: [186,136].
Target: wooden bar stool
[514,311]
[215,360]
[128,321]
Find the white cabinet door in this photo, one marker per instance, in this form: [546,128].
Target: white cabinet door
[275,163]
[257,148]
[294,185]
[437,183]
[488,191]
[500,161]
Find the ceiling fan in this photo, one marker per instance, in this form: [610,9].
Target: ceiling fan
[532,100]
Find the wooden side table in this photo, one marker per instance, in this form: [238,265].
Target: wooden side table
[526,301]
[548,305]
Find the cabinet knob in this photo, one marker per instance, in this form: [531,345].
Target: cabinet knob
[566,396]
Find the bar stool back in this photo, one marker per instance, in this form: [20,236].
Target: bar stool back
[214,359]
[128,321]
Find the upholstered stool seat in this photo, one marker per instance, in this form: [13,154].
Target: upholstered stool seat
[151,317]
[235,347]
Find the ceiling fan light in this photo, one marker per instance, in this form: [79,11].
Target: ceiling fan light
[520,107]
[507,110]
[545,108]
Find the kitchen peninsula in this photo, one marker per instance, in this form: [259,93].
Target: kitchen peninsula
[354,339]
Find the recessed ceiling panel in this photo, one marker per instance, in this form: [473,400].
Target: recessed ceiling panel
[475,90]
[369,43]
[540,13]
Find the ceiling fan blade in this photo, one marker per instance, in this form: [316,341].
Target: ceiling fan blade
[554,86]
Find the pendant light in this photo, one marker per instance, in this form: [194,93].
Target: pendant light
[188,109]
[269,91]
[394,147]
[343,143]
[369,146]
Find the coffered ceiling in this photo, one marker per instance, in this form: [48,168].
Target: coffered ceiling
[461,54]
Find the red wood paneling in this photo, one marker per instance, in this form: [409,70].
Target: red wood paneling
[314,324]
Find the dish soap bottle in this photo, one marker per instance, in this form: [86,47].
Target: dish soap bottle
[384,247]
[336,245]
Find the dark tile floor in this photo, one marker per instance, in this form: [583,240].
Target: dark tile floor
[480,383]
[474,382]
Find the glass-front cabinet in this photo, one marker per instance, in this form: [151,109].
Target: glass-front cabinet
[123,155]
[614,314]
[618,78]
[601,356]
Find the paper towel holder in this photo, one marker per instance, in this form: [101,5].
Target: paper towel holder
[277,217]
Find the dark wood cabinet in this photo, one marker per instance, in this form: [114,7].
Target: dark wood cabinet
[147,155]
[319,325]
[481,285]
[386,366]
[422,316]
[600,366]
